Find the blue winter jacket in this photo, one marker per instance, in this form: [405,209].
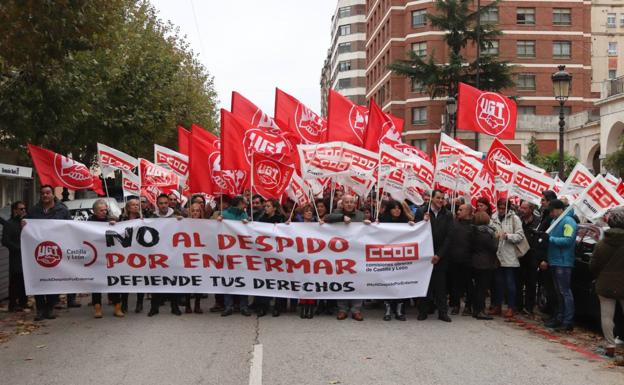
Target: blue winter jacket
[562,242]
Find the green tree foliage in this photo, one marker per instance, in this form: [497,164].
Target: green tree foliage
[550,162]
[73,73]
[615,161]
[460,21]
[532,155]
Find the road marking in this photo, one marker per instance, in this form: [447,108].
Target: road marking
[255,371]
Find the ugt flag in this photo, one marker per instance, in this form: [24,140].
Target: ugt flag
[486,112]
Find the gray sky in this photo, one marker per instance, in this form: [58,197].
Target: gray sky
[253,46]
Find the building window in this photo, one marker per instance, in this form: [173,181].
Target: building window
[344,65]
[489,15]
[611,20]
[344,47]
[622,20]
[417,85]
[381,95]
[562,16]
[344,30]
[344,83]
[419,115]
[419,18]
[492,48]
[525,48]
[612,48]
[420,144]
[420,48]
[344,12]
[525,16]
[562,49]
[526,110]
[526,82]
[612,74]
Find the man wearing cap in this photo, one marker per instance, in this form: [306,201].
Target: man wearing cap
[561,245]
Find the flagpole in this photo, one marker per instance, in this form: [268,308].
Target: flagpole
[140,189]
[292,212]
[252,183]
[331,194]
[435,149]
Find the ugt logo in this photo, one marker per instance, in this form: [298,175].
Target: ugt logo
[75,175]
[268,173]
[48,254]
[358,121]
[493,114]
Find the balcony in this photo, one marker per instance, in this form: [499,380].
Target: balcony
[613,87]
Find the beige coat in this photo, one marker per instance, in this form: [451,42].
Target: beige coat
[512,225]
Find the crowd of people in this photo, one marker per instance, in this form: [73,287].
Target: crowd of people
[494,249]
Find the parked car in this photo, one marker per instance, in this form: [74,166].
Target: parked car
[80,209]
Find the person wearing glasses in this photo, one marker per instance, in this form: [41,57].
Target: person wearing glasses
[11,234]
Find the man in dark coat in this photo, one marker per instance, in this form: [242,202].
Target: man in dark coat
[460,260]
[527,277]
[11,232]
[49,207]
[441,223]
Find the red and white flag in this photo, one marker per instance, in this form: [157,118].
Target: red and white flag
[598,197]
[467,174]
[248,111]
[559,185]
[498,152]
[58,170]
[173,160]
[450,150]
[183,140]
[297,191]
[154,175]
[297,118]
[398,175]
[503,177]
[613,180]
[489,113]
[483,186]
[380,127]
[270,177]
[346,121]
[578,180]
[131,184]
[528,184]
[111,160]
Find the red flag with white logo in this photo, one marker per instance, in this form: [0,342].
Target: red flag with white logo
[183,140]
[598,197]
[500,153]
[270,177]
[486,112]
[346,121]
[57,170]
[111,159]
[380,127]
[153,175]
[297,118]
[246,110]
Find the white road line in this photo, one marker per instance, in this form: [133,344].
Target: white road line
[255,371]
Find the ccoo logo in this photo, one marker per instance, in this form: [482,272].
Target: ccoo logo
[75,175]
[309,125]
[493,114]
[48,254]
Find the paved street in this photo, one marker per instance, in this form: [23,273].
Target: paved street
[208,349]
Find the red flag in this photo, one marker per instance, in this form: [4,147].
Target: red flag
[346,121]
[398,122]
[380,127]
[200,167]
[486,112]
[248,111]
[290,113]
[183,140]
[154,175]
[205,135]
[500,153]
[271,178]
[60,171]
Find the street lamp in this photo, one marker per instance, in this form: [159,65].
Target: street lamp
[561,85]
[451,108]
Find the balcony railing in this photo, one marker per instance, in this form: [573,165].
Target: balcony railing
[615,86]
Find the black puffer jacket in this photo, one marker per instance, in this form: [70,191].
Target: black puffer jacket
[483,248]
[459,242]
[59,211]
[441,226]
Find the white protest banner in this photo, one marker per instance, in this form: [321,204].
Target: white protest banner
[300,260]
[528,184]
[596,199]
[111,160]
[580,177]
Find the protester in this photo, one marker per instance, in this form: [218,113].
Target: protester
[322,208]
[561,246]
[146,207]
[131,211]
[11,233]
[460,260]
[306,306]
[510,236]
[257,206]
[607,264]
[100,214]
[49,207]
[235,211]
[163,210]
[545,281]
[395,213]
[348,214]
[196,211]
[441,222]
[484,261]
[483,204]
[527,277]
[270,214]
